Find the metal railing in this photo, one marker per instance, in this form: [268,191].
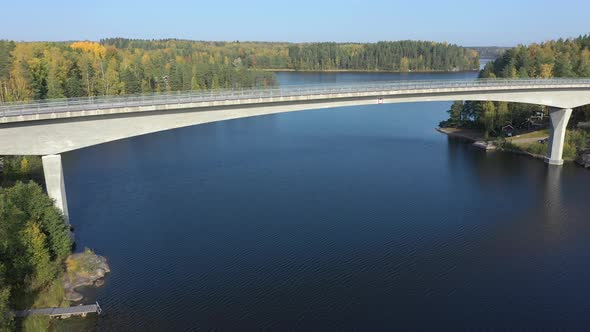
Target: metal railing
[11,109]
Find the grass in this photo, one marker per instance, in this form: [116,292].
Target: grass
[52,296]
[35,324]
[575,141]
[535,148]
[533,134]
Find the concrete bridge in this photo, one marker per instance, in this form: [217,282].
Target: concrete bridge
[49,128]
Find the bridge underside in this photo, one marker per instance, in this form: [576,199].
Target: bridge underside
[60,133]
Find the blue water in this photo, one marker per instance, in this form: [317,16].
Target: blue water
[357,218]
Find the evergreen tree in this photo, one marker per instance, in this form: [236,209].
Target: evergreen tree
[456,113]
[563,66]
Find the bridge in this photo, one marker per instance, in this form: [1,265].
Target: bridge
[51,127]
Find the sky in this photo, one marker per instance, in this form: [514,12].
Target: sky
[467,23]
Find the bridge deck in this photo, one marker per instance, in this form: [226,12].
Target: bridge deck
[298,93]
[81,310]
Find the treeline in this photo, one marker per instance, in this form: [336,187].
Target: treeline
[489,52]
[560,58]
[490,116]
[34,243]
[20,168]
[116,66]
[43,70]
[386,56]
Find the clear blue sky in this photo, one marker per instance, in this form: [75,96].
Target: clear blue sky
[469,23]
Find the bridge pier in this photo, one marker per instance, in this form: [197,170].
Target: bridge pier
[559,119]
[54,180]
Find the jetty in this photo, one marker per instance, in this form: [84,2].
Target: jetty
[63,312]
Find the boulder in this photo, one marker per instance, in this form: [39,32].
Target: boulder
[84,269]
[583,159]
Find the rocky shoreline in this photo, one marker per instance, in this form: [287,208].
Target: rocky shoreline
[83,269]
[583,159]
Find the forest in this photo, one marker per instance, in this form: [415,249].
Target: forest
[489,52]
[118,66]
[558,58]
[406,55]
[34,243]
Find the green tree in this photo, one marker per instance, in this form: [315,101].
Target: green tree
[35,259]
[503,114]
[488,118]
[563,66]
[456,113]
[6,323]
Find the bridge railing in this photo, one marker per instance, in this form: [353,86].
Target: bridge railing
[183,97]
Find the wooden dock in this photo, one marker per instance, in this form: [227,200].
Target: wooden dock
[81,310]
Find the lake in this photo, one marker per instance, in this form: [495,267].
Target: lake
[356,218]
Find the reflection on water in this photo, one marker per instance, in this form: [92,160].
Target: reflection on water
[554,207]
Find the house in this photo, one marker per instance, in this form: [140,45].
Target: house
[508,130]
[537,117]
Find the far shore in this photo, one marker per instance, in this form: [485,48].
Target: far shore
[365,71]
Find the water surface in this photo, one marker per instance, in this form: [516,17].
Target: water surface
[357,218]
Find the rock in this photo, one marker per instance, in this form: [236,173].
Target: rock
[84,269]
[584,159]
[73,296]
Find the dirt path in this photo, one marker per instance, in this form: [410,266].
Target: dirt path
[527,140]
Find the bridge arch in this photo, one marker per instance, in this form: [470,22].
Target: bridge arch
[50,128]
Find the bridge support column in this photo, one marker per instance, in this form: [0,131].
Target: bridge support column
[54,180]
[559,119]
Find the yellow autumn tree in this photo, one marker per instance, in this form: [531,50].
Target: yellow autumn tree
[35,246]
[546,70]
[90,47]
[24,166]
[404,64]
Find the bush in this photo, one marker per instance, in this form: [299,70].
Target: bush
[578,138]
[537,148]
[569,151]
[507,145]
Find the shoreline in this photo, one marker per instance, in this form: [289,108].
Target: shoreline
[287,70]
[469,135]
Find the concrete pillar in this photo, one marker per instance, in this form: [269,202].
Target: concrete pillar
[559,119]
[54,180]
